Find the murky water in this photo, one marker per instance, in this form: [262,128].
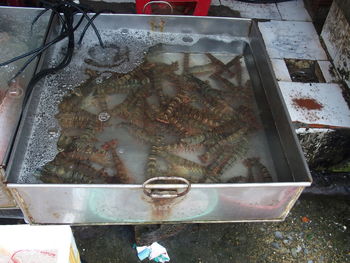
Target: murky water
[137,109]
[16,38]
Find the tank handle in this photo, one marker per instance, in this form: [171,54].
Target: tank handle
[158,2]
[166,190]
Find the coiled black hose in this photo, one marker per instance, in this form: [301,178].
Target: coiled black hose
[65,11]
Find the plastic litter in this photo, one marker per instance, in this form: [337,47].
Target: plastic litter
[154,252]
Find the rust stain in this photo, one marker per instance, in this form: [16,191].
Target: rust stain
[56,215]
[5,193]
[157,26]
[299,124]
[24,207]
[307,103]
[6,197]
[2,94]
[161,209]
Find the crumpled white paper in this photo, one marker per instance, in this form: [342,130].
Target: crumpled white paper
[154,252]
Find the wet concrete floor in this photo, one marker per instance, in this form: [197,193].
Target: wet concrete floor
[316,231]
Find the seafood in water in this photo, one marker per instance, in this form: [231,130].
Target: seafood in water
[237,179]
[186,64]
[180,147]
[92,154]
[70,103]
[205,89]
[247,115]
[64,142]
[194,114]
[236,64]
[180,127]
[237,152]
[152,162]
[221,67]
[151,169]
[157,82]
[137,132]
[66,171]
[171,114]
[227,84]
[194,174]
[249,164]
[262,171]
[229,156]
[180,161]
[122,173]
[193,140]
[232,138]
[77,119]
[261,174]
[203,69]
[110,86]
[180,98]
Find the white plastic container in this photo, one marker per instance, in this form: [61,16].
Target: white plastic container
[37,244]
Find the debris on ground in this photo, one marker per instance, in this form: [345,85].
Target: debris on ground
[154,252]
[305,219]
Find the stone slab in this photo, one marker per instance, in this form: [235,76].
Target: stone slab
[334,111]
[328,71]
[293,11]
[253,10]
[290,39]
[280,69]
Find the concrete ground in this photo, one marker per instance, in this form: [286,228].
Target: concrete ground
[316,230]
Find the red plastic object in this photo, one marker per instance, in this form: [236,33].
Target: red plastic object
[179,7]
[15,2]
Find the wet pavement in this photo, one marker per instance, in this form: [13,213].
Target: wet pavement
[316,231]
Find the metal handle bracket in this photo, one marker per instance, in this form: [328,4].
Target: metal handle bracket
[166,190]
[158,2]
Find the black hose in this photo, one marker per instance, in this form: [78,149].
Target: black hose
[66,60]
[42,48]
[89,23]
[89,20]
[39,50]
[67,30]
[68,9]
[43,12]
